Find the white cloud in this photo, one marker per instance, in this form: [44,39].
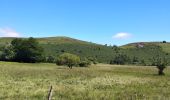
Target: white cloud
[122,35]
[8,32]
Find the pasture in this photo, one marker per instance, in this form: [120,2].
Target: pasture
[23,81]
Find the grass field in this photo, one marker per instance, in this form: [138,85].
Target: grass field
[20,81]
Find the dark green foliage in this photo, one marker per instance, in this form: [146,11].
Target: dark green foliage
[50,59]
[68,59]
[85,63]
[27,50]
[142,62]
[120,59]
[164,42]
[161,63]
[7,53]
[135,60]
[116,49]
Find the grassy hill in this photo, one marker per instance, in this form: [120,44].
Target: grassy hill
[147,50]
[54,46]
[165,46]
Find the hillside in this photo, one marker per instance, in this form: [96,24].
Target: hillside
[165,46]
[54,46]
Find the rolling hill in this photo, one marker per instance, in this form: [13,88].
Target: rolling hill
[54,46]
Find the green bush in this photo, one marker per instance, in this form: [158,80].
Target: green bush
[84,63]
[68,59]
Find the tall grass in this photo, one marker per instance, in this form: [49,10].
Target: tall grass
[21,81]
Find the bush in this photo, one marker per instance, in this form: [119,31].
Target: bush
[84,63]
[68,59]
[92,60]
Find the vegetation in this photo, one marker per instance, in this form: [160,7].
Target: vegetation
[8,53]
[85,63]
[68,59]
[55,46]
[120,59]
[100,82]
[161,64]
[23,50]
[97,82]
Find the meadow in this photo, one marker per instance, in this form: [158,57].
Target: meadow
[23,81]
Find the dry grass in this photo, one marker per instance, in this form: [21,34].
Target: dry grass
[100,82]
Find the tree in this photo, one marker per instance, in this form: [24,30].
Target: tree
[164,42]
[7,53]
[68,59]
[27,50]
[161,63]
[120,59]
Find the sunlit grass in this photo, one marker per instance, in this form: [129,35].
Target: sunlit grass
[21,81]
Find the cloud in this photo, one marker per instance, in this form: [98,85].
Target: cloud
[122,35]
[8,32]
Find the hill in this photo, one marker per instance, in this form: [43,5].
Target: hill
[165,46]
[141,51]
[54,46]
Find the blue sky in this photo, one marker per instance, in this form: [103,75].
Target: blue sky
[100,21]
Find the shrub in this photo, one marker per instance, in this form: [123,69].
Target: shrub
[84,63]
[161,64]
[92,60]
[68,59]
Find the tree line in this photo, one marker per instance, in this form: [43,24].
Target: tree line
[30,51]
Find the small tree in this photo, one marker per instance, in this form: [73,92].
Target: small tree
[161,64]
[68,59]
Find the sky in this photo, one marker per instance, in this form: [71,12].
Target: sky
[112,22]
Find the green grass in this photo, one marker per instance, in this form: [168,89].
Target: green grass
[20,81]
